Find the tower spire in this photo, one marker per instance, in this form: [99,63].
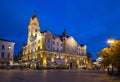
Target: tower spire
[34,24]
[34,15]
[64,33]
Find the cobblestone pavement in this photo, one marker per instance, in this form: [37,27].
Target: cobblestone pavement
[54,76]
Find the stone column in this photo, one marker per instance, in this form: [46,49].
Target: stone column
[78,62]
[41,55]
[52,57]
[86,61]
[65,58]
[44,59]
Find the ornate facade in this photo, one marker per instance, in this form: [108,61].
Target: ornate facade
[45,46]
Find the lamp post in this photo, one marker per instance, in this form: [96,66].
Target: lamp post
[8,60]
[111,41]
[9,48]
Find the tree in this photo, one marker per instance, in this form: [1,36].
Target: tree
[105,54]
[115,50]
[111,56]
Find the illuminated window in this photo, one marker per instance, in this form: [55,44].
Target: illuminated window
[33,49]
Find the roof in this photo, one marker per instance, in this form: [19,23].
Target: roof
[82,45]
[64,34]
[45,31]
[25,44]
[1,39]
[56,35]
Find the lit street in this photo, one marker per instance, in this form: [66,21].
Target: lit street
[54,76]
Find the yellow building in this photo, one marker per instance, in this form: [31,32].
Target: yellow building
[44,47]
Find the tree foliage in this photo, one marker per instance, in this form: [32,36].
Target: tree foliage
[111,55]
[105,54]
[115,50]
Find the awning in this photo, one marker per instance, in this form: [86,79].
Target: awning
[51,63]
[60,62]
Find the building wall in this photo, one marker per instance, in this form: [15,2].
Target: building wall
[56,44]
[45,46]
[83,50]
[6,53]
[71,45]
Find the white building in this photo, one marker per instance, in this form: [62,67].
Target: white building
[6,51]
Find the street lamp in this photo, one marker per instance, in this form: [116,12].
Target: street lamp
[110,40]
[9,47]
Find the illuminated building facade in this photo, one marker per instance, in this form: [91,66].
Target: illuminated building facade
[45,46]
[6,51]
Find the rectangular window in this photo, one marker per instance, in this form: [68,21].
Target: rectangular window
[53,42]
[57,43]
[67,48]
[57,49]
[8,55]
[61,50]
[2,55]
[3,47]
[28,51]
[48,40]
[48,47]
[38,47]
[53,48]
[35,30]
[61,44]
[38,41]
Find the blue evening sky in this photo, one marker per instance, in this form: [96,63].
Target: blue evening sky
[90,22]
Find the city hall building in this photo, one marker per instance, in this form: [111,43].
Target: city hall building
[45,47]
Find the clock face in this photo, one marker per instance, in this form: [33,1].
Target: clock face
[32,37]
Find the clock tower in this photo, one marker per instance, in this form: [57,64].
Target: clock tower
[33,28]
